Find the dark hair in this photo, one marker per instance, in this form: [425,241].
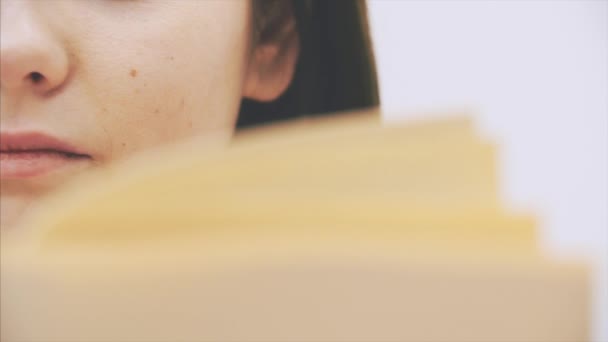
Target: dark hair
[335,69]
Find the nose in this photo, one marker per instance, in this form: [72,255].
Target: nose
[32,58]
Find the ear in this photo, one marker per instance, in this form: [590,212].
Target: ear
[272,65]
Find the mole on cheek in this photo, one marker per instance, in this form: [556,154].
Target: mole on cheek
[133,73]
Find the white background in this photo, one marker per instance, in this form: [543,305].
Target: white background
[535,75]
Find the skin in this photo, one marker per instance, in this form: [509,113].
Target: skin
[122,76]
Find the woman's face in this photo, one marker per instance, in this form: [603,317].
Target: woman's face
[84,83]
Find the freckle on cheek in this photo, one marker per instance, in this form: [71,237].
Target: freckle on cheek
[133,73]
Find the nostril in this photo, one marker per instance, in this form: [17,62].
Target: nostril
[36,77]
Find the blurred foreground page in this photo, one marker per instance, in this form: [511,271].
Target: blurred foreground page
[331,230]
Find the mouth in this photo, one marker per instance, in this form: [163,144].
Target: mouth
[27,155]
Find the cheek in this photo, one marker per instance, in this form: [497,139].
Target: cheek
[177,74]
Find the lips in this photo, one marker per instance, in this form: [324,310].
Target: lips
[25,155]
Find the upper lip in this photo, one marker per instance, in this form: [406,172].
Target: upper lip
[32,141]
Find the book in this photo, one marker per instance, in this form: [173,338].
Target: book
[342,229]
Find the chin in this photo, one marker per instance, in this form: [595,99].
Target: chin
[19,195]
[12,210]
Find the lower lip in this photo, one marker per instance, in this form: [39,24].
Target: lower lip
[27,164]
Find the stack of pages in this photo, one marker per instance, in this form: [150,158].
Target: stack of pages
[338,229]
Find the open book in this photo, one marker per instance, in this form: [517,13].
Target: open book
[338,229]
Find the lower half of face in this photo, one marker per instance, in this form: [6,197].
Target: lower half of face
[135,74]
